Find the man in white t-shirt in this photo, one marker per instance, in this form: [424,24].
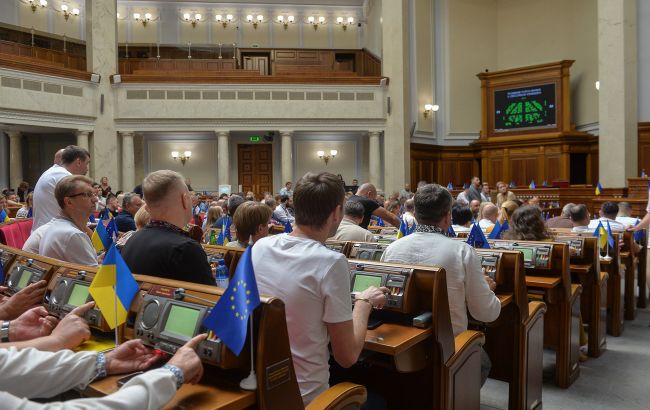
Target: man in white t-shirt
[580,218]
[467,286]
[625,214]
[409,209]
[74,161]
[67,237]
[490,213]
[608,212]
[314,283]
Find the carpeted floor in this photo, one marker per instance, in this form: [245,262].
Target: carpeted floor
[619,379]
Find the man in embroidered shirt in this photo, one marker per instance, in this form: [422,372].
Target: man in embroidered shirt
[468,288]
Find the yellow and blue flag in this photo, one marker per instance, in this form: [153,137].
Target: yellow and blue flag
[224,235]
[4,218]
[104,236]
[380,222]
[229,317]
[450,186]
[287,227]
[113,288]
[532,184]
[403,229]
[476,238]
[601,234]
[599,188]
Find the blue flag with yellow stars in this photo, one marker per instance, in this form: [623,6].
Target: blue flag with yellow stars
[450,232]
[229,317]
[477,239]
[287,227]
[638,235]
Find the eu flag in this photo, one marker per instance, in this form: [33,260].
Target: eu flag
[610,235]
[380,222]
[450,186]
[496,231]
[229,317]
[113,288]
[450,232]
[287,227]
[477,239]
[638,235]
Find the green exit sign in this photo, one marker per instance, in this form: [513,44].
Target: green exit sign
[254,138]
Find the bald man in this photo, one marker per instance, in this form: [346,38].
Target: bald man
[367,196]
[58,157]
[490,213]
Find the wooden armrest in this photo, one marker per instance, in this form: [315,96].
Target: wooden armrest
[542,281]
[606,262]
[505,298]
[343,395]
[576,290]
[625,254]
[581,268]
[466,339]
[603,277]
[535,307]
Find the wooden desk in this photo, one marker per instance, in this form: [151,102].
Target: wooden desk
[505,299]
[393,339]
[542,282]
[213,392]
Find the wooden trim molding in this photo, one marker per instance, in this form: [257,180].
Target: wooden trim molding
[35,65]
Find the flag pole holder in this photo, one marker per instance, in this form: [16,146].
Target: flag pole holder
[250,382]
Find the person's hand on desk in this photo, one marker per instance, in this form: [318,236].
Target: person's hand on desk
[188,361]
[73,330]
[34,323]
[129,357]
[23,300]
[375,296]
[491,283]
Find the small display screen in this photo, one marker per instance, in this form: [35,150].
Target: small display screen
[182,321]
[363,282]
[79,295]
[528,253]
[24,278]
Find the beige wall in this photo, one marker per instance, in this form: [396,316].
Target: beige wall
[558,30]
[372,31]
[345,162]
[424,62]
[201,168]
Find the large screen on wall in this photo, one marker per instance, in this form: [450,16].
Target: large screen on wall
[525,108]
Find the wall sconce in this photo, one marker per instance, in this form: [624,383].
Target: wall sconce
[345,23]
[312,20]
[187,17]
[259,19]
[223,22]
[285,23]
[326,158]
[144,20]
[185,156]
[67,13]
[597,85]
[429,108]
[34,4]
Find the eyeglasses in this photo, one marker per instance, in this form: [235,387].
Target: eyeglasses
[86,194]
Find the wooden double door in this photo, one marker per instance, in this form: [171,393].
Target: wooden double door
[255,163]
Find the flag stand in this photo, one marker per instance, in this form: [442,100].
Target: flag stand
[250,382]
[607,257]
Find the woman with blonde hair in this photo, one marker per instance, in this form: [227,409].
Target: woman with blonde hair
[506,210]
[214,213]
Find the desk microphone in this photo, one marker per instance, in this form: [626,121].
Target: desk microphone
[179,294]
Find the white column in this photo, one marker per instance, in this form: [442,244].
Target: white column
[223,158]
[82,139]
[287,156]
[617,98]
[15,158]
[128,161]
[374,158]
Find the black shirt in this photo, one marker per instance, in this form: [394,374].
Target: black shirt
[166,253]
[369,206]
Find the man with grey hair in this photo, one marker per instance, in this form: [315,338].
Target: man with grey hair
[163,248]
[131,203]
[468,288]
[564,220]
[625,214]
[349,229]
[367,196]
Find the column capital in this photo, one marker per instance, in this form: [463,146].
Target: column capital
[127,134]
[83,132]
[13,134]
[222,133]
[374,133]
[286,133]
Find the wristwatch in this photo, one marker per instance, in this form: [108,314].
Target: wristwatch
[4,331]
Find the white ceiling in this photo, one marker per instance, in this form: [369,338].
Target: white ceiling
[357,3]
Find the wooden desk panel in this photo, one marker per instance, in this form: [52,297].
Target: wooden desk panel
[392,339]
[543,282]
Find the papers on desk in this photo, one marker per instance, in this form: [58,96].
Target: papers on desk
[96,344]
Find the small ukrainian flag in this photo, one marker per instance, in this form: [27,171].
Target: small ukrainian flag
[599,188]
[532,184]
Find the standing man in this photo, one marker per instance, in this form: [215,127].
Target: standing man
[66,238]
[485,192]
[74,161]
[286,190]
[475,188]
[130,205]
[367,195]
[314,283]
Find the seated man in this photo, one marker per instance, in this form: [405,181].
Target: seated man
[282,212]
[580,218]
[608,212]
[490,213]
[162,248]
[468,288]
[409,209]
[564,220]
[474,206]
[349,229]
[67,238]
[461,218]
[54,369]
[625,214]
[367,196]
[314,283]
[130,205]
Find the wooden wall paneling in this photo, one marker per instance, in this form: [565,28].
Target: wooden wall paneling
[644,147]
[496,171]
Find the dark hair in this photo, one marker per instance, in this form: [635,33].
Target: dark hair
[72,152]
[284,198]
[315,197]
[609,209]
[233,203]
[461,214]
[354,208]
[526,223]
[578,212]
[432,203]
[96,184]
